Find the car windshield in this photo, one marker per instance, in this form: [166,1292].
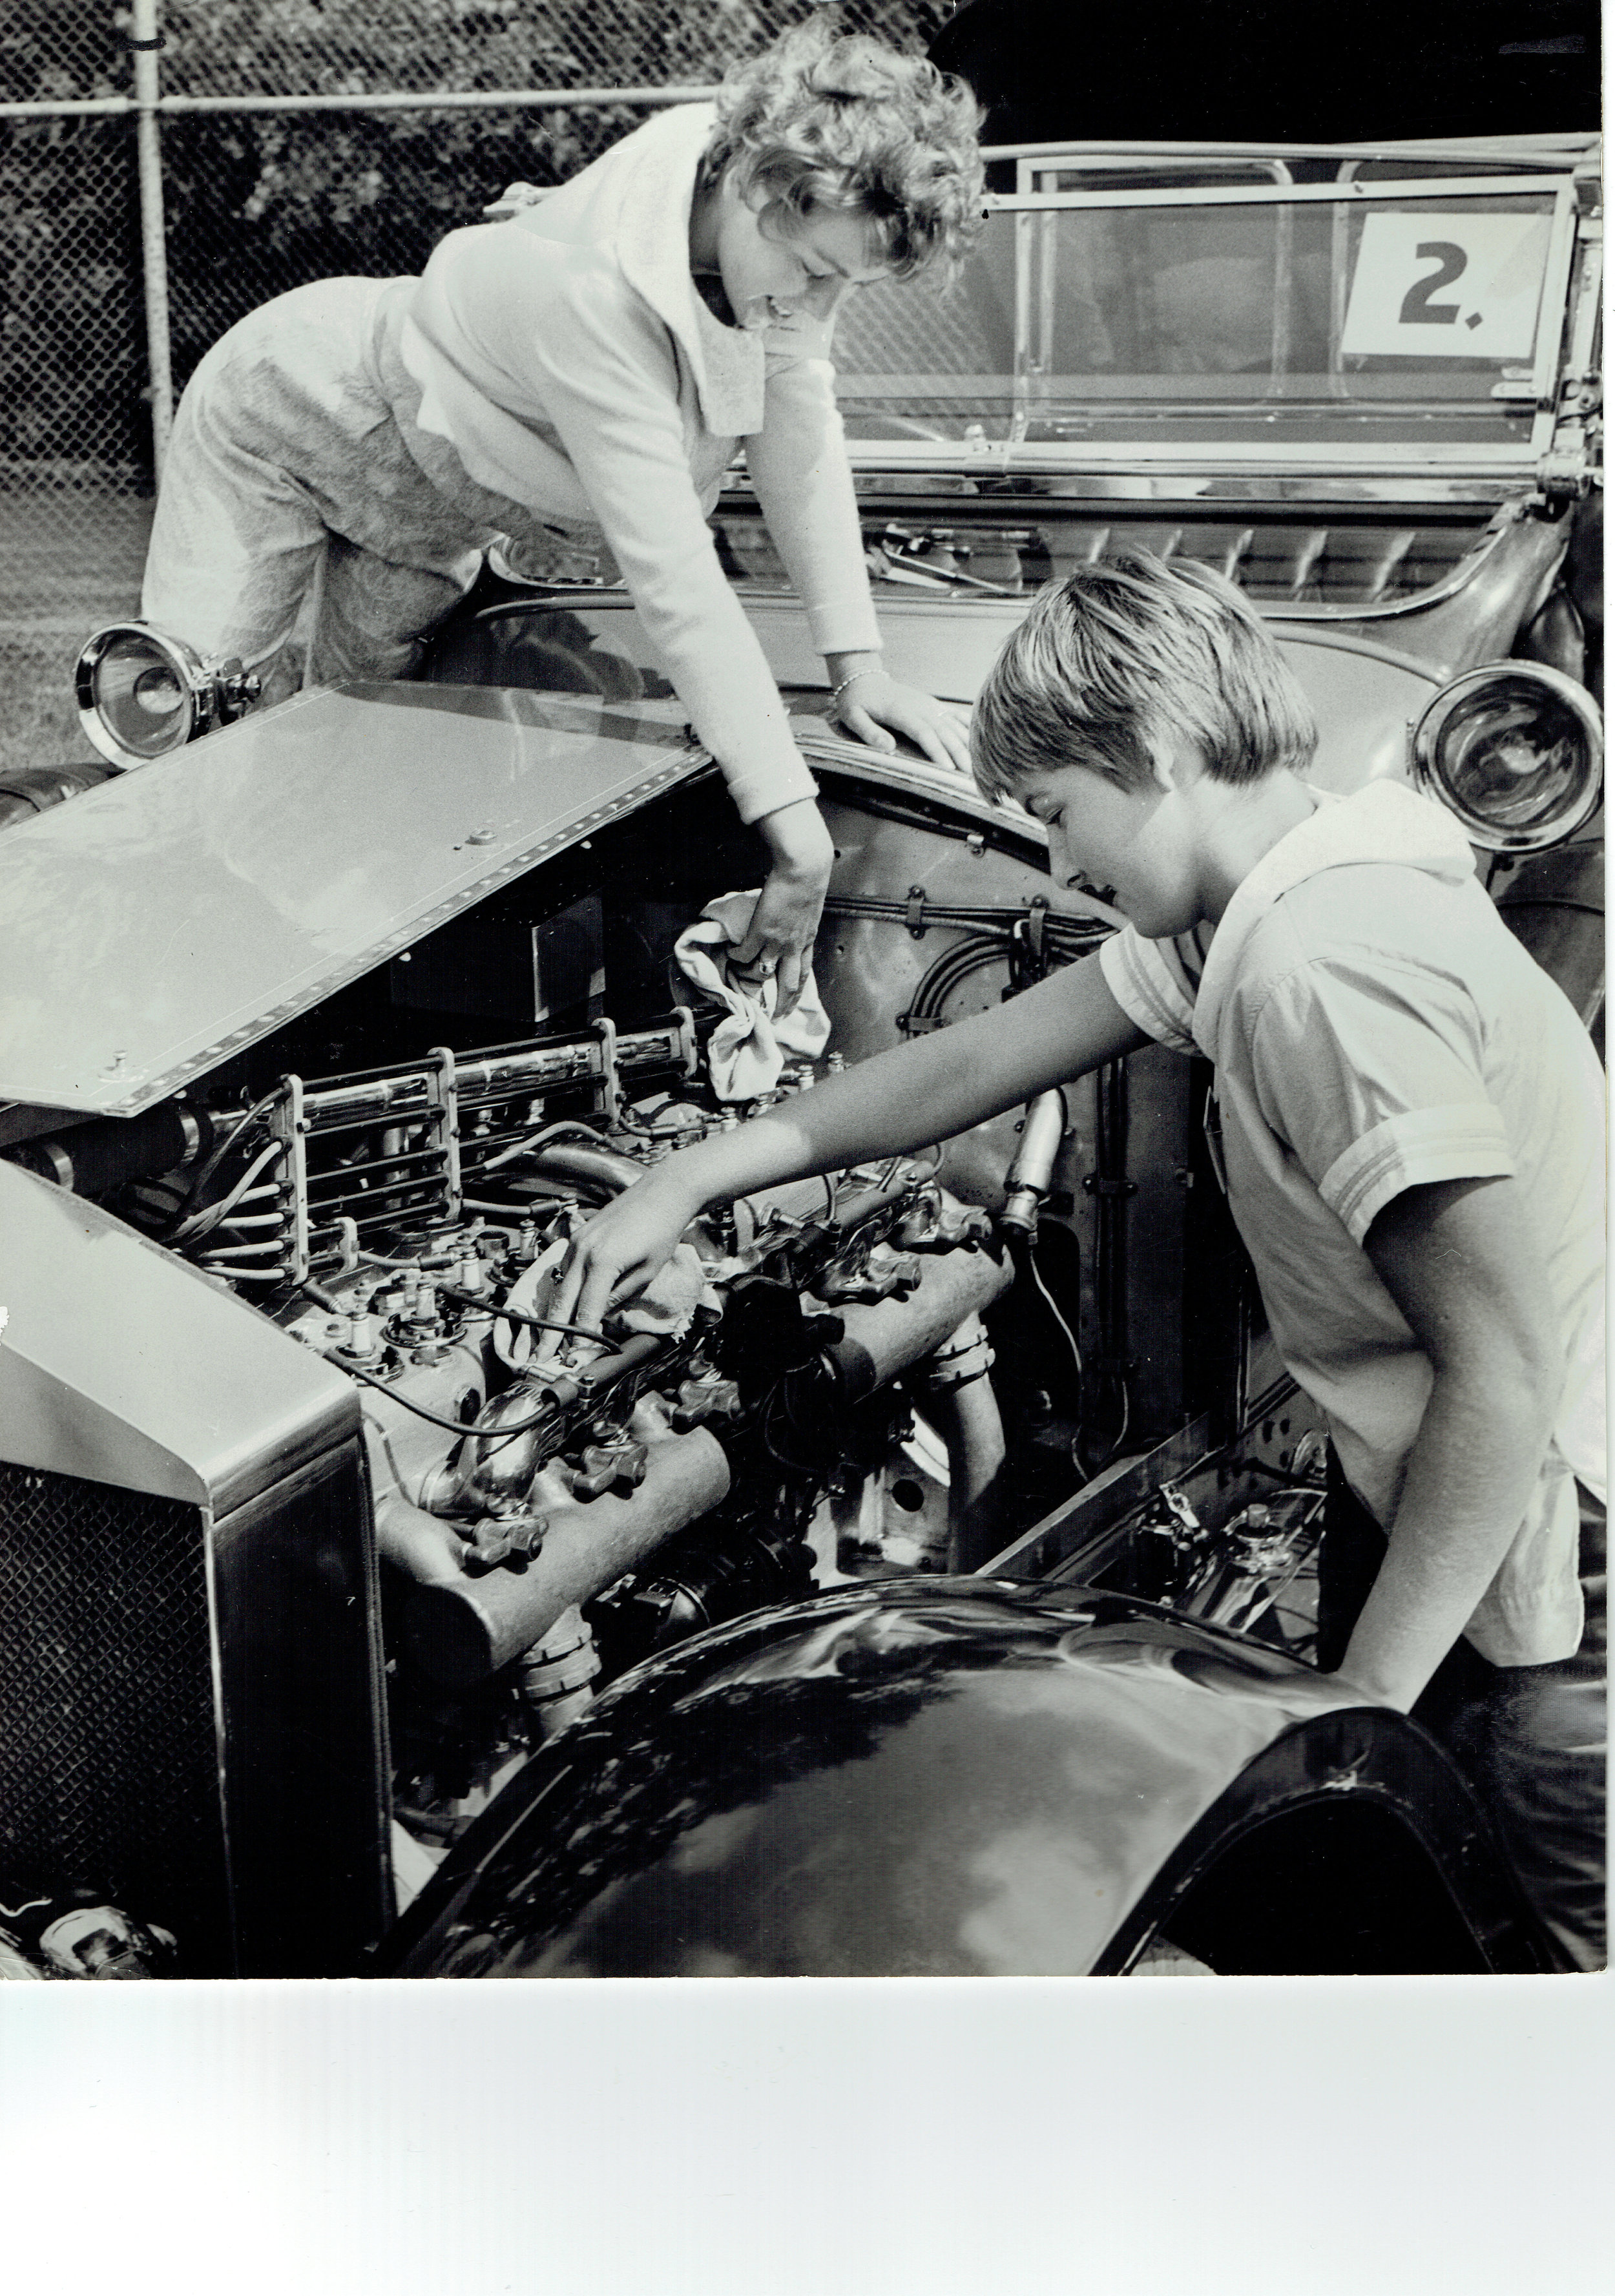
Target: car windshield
[1412,315]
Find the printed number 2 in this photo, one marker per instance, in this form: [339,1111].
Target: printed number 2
[1417,310]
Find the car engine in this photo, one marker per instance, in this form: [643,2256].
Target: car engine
[548,1504]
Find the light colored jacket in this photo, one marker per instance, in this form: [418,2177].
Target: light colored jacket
[567,357]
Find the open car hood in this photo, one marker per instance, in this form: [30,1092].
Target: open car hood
[173,915]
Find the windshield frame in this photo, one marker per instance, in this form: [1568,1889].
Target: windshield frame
[1194,450]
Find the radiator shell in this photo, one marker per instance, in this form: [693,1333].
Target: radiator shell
[191,1713]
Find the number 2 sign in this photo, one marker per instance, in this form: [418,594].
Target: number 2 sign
[1447,286]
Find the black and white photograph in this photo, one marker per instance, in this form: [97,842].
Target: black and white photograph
[995,1515]
[802,1115]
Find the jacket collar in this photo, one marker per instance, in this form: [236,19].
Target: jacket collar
[634,203]
[1385,822]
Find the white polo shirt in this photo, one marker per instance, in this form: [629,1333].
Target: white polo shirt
[1375,1026]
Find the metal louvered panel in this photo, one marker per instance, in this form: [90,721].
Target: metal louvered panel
[1373,563]
[108,1765]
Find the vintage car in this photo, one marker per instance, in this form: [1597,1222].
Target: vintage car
[928,1588]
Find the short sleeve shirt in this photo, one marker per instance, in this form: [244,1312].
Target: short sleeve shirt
[1375,1027]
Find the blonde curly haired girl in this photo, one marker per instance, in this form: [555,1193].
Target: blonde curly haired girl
[823,121]
[587,366]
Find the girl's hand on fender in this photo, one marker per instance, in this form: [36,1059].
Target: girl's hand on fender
[875,706]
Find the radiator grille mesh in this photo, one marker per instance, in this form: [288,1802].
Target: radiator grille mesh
[107,1775]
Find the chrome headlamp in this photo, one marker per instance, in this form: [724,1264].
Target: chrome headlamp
[1516,750]
[141,695]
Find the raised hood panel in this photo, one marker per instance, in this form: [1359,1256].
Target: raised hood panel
[172,916]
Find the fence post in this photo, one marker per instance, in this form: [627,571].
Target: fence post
[145,42]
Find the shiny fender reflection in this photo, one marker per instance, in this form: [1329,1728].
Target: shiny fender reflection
[934,1777]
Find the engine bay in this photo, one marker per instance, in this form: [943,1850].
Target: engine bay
[900,1369]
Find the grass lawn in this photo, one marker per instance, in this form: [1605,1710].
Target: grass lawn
[69,562]
[38,724]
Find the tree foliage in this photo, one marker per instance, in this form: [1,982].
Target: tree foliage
[259,202]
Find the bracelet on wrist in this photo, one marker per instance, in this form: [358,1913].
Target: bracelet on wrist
[836,692]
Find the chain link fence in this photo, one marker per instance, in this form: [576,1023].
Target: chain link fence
[291,144]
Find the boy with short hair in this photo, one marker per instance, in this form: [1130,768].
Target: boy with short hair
[1411,1129]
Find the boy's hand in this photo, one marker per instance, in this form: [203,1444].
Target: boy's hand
[621,1250]
[928,1089]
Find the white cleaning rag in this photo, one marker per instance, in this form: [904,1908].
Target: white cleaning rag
[749,1046]
[666,1305]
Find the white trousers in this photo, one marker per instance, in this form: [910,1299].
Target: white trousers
[296,482]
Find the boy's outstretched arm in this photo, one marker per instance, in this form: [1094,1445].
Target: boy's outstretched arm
[928,1090]
[1459,1258]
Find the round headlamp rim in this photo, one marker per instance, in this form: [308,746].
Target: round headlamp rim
[1491,837]
[197,681]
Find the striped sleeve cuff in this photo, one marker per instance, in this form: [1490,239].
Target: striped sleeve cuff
[1139,979]
[1460,1141]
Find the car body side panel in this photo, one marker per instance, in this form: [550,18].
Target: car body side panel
[1366,693]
